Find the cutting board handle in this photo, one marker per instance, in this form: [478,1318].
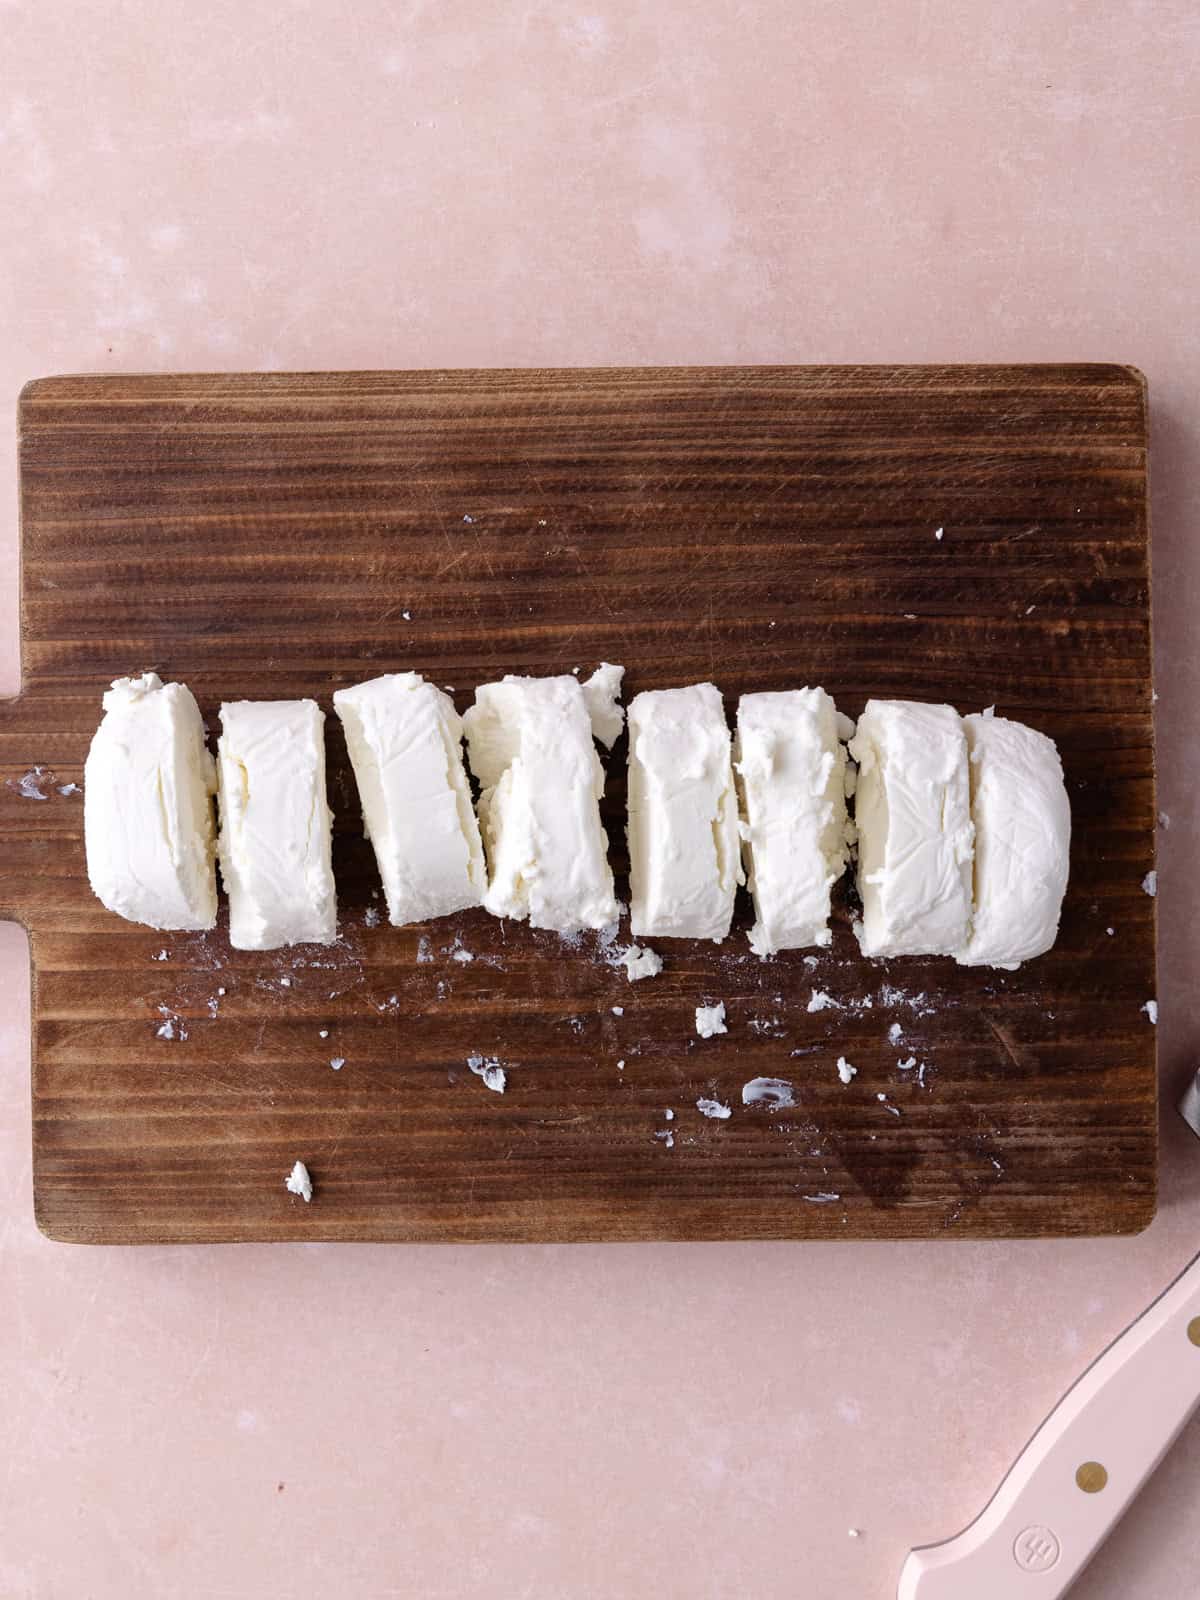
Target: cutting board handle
[41,809]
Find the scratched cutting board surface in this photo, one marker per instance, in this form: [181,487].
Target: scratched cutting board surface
[281,535]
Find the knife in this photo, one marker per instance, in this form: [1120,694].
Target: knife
[1074,1479]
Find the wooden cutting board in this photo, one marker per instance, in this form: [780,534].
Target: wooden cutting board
[281,535]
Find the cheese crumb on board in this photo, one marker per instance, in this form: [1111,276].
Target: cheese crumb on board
[775,1093]
[716,1109]
[489,1069]
[299,1182]
[530,746]
[845,1071]
[1150,883]
[404,739]
[275,824]
[791,766]
[147,807]
[913,816]
[641,962]
[1022,819]
[1151,1010]
[822,1002]
[710,1020]
[684,861]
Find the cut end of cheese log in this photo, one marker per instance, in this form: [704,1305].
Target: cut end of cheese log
[404,738]
[684,862]
[275,824]
[147,807]
[1022,822]
[913,817]
[529,742]
[791,767]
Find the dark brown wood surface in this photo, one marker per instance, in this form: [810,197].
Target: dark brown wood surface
[766,528]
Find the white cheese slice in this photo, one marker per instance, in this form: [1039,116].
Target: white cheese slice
[147,807]
[913,815]
[529,742]
[405,743]
[791,766]
[684,865]
[275,824]
[1022,842]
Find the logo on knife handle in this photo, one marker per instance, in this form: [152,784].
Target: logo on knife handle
[1036,1549]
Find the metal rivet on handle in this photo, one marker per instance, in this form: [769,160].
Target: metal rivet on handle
[1091,1477]
[1194,1330]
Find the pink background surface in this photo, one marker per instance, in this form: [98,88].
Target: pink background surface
[402,183]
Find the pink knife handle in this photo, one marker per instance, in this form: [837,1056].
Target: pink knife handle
[1082,1467]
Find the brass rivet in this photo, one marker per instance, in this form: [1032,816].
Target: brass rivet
[1091,1477]
[1194,1330]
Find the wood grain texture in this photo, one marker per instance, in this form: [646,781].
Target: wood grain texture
[264,535]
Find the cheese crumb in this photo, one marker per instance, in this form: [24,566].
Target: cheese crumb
[1151,1010]
[710,1020]
[618,1011]
[907,1066]
[299,1182]
[490,1070]
[337,1062]
[715,1109]
[775,1093]
[822,1002]
[895,1033]
[641,962]
[1150,883]
[844,1070]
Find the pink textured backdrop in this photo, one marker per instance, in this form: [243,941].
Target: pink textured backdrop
[402,183]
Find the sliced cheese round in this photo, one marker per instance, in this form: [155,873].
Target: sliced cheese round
[913,816]
[404,738]
[147,807]
[529,743]
[276,826]
[684,866]
[1022,820]
[791,768]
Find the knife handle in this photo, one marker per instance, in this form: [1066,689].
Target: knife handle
[1083,1466]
